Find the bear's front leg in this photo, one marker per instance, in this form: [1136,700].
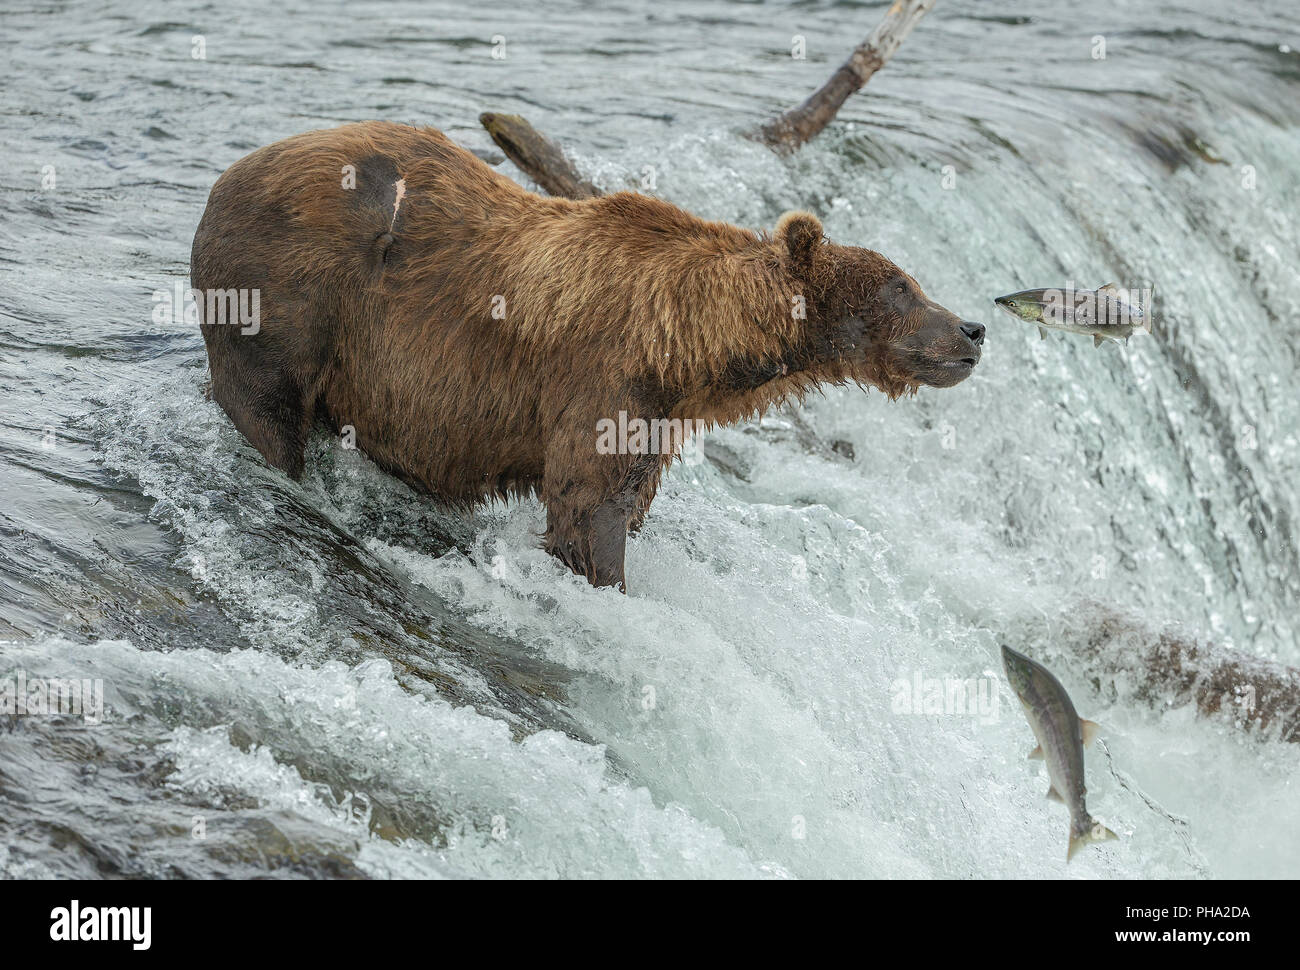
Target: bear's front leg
[645,496]
[591,499]
[590,541]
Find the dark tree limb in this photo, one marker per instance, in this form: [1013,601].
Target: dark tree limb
[536,155]
[1162,670]
[786,134]
[543,161]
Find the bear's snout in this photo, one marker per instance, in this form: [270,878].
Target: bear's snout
[974,332]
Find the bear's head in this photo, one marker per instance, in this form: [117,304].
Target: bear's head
[883,328]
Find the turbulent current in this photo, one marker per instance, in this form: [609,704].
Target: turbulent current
[337,678]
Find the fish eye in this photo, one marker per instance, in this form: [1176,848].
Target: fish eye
[1011,304]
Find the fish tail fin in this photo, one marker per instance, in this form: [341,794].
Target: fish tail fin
[1091,832]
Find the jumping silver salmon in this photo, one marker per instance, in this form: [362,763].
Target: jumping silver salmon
[1062,736]
[1100,312]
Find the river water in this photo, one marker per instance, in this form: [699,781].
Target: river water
[337,678]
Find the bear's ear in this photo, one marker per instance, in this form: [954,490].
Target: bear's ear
[799,234]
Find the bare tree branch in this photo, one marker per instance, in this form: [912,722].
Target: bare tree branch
[1127,660]
[546,164]
[538,156]
[786,134]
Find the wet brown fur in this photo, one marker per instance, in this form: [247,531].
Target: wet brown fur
[378,314]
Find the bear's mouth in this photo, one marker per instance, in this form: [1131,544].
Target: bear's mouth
[959,367]
[943,372]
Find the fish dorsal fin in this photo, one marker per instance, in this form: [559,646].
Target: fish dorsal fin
[1036,754]
[1042,333]
[1108,288]
[1097,339]
[1053,795]
[1089,729]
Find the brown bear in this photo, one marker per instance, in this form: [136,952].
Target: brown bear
[480,341]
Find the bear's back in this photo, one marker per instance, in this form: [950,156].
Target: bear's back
[328,196]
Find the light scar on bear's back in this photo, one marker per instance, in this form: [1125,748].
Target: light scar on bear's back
[399,191]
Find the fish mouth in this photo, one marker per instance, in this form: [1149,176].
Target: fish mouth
[1026,306]
[1008,305]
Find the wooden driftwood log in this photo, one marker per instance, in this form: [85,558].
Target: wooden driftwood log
[791,130]
[1125,659]
[545,163]
[537,155]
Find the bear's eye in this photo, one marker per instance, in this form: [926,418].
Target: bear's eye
[900,288]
